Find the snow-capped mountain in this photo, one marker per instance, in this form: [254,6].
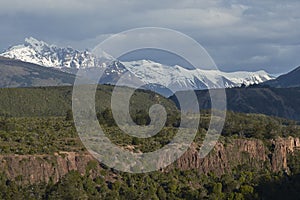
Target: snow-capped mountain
[153,72]
[157,76]
[41,53]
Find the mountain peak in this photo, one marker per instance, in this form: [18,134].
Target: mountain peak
[35,43]
[41,53]
[106,56]
[262,71]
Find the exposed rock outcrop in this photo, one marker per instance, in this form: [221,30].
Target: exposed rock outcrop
[250,152]
[281,147]
[224,157]
[42,168]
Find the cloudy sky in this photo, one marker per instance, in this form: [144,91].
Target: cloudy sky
[239,35]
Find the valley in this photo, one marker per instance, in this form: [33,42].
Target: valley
[46,155]
[42,156]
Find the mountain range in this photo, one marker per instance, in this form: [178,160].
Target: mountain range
[156,76]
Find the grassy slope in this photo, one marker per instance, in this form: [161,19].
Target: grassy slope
[56,101]
[15,73]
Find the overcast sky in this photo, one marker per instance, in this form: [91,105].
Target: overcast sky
[239,35]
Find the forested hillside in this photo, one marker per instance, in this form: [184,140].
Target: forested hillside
[43,158]
[279,102]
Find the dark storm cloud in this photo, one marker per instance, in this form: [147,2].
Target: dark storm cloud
[240,35]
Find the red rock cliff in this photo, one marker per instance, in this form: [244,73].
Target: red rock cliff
[224,157]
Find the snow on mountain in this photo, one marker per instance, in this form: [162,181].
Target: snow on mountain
[163,78]
[152,73]
[177,76]
[41,53]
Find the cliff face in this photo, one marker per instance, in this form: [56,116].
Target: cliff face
[42,168]
[281,148]
[224,157]
[252,153]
